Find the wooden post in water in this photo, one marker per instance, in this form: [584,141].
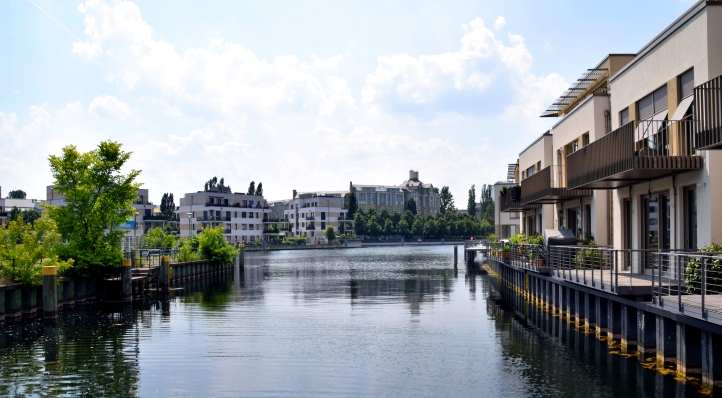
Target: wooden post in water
[456,256]
[50,292]
[164,274]
[126,282]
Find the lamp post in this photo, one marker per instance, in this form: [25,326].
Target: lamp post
[190,215]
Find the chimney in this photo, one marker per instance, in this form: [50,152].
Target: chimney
[413,175]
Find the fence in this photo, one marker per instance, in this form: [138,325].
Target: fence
[149,258]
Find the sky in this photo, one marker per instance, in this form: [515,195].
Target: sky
[298,95]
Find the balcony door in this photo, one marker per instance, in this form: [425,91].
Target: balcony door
[656,234]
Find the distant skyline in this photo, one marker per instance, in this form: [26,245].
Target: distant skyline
[298,95]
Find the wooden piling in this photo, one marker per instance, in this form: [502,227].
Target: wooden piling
[126,282]
[164,274]
[50,292]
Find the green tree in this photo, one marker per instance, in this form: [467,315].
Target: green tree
[259,189]
[410,206]
[351,202]
[447,201]
[158,238]
[373,229]
[359,221]
[98,198]
[188,250]
[417,228]
[252,188]
[330,234]
[17,194]
[404,228]
[389,228]
[212,246]
[26,248]
[167,206]
[471,203]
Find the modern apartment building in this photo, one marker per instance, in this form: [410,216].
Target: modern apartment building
[506,223]
[635,159]
[241,215]
[393,198]
[310,214]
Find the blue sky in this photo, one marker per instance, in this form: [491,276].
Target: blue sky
[300,95]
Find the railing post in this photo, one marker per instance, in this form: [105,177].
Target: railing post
[704,285]
[679,286]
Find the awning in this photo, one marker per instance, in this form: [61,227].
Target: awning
[682,108]
[650,127]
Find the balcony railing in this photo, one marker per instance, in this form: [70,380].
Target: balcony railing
[540,188]
[708,114]
[635,152]
[510,199]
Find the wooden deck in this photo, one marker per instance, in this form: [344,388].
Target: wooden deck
[623,284]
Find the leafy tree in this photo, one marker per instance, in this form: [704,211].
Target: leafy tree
[212,246]
[26,248]
[215,185]
[389,228]
[373,229]
[252,188]
[98,198]
[487,204]
[188,250]
[447,201]
[410,206]
[259,189]
[351,202]
[471,204]
[167,206]
[15,213]
[158,238]
[417,228]
[17,194]
[330,234]
[404,228]
[359,221]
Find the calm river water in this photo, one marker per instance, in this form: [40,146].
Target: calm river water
[357,322]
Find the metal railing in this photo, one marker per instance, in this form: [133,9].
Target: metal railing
[690,283]
[529,257]
[708,114]
[149,258]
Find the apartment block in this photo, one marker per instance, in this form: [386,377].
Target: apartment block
[634,160]
[241,216]
[393,198]
[310,214]
[506,223]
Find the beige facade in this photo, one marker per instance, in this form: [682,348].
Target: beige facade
[532,160]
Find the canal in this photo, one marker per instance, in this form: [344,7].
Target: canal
[356,322]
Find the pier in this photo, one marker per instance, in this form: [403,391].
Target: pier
[662,308]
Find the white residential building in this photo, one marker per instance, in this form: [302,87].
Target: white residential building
[309,214]
[241,215]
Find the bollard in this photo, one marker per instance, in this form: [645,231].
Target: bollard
[2,303]
[50,292]
[126,282]
[456,255]
[163,274]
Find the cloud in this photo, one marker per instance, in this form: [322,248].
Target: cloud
[110,107]
[293,122]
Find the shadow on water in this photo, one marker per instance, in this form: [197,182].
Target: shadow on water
[561,360]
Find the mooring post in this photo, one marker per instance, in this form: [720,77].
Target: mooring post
[126,282]
[2,303]
[711,374]
[456,256]
[164,274]
[50,292]
[681,356]
[664,341]
[645,335]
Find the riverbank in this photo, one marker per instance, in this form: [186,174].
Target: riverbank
[352,245]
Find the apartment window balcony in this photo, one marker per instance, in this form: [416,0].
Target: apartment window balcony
[540,189]
[636,152]
[708,114]
[510,200]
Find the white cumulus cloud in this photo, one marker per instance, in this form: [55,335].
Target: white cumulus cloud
[109,106]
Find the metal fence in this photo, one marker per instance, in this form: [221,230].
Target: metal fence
[148,258]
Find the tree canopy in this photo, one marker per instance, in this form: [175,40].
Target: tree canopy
[167,206]
[375,225]
[17,194]
[471,203]
[410,206]
[259,189]
[98,198]
[447,200]
[216,185]
[252,188]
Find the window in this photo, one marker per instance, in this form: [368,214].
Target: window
[623,117]
[585,139]
[686,84]
[653,103]
[588,221]
[690,218]
[538,166]
[323,215]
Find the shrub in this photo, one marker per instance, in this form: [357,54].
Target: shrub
[589,256]
[693,270]
[188,250]
[158,238]
[331,234]
[26,248]
[212,246]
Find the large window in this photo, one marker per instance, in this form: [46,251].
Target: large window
[623,117]
[686,84]
[653,103]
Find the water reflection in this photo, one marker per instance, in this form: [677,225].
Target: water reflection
[85,354]
[554,354]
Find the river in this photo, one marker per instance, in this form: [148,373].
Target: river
[386,321]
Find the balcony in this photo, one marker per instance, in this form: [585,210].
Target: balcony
[708,114]
[510,199]
[539,189]
[633,153]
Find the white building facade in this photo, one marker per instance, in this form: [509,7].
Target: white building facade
[241,216]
